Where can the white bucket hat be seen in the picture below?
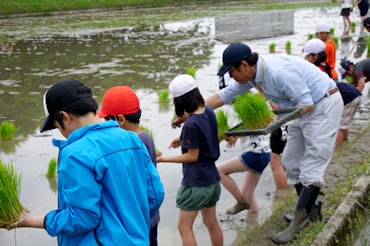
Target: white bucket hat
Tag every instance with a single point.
(181, 85)
(322, 27)
(313, 46)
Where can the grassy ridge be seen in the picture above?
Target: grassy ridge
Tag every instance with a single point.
(26, 6)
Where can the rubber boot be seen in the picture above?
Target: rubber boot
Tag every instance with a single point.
(306, 201)
(238, 207)
(315, 214)
(288, 216)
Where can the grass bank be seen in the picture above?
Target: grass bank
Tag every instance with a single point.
(46, 7)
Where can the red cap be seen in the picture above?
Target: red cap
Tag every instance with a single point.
(119, 100)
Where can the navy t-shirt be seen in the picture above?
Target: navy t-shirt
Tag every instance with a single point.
(348, 92)
(200, 132)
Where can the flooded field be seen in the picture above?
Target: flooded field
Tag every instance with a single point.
(145, 57)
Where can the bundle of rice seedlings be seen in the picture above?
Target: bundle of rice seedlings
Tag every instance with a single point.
(309, 36)
(335, 39)
(288, 47)
(191, 72)
(332, 31)
(272, 48)
(163, 96)
(222, 125)
(353, 27)
(11, 209)
(150, 132)
(7, 130)
(253, 111)
(52, 168)
(368, 47)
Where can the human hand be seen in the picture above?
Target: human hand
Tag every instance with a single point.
(159, 159)
(175, 143)
(177, 122)
(231, 141)
(19, 222)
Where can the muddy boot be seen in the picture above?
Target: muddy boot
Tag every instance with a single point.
(315, 214)
(306, 201)
(239, 206)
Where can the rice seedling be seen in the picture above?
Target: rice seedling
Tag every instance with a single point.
(353, 27)
(11, 209)
(163, 96)
(7, 130)
(222, 124)
(191, 71)
(310, 36)
(253, 111)
(272, 48)
(150, 132)
(332, 31)
(52, 168)
(288, 47)
(335, 39)
(368, 47)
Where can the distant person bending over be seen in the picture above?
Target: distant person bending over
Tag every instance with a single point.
(360, 72)
(103, 199)
(121, 104)
(314, 52)
(200, 188)
(323, 33)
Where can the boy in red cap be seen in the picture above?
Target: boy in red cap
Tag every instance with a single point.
(121, 104)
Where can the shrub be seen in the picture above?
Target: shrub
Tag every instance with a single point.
(253, 111)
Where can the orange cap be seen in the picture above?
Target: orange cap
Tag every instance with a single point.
(119, 100)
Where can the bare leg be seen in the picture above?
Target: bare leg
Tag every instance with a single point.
(249, 185)
(185, 226)
(340, 138)
(278, 171)
(214, 229)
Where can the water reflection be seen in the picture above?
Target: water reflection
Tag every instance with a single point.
(361, 46)
(141, 57)
(254, 25)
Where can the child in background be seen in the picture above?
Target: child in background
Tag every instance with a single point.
(121, 104)
(200, 189)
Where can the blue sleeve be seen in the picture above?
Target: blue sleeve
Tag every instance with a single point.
(82, 195)
(229, 93)
(291, 83)
(155, 187)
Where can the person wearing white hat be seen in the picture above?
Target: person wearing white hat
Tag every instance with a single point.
(323, 33)
(200, 187)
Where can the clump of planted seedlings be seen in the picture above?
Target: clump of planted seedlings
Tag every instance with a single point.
(353, 27)
(222, 124)
(150, 132)
(52, 168)
(288, 47)
(335, 39)
(368, 47)
(272, 48)
(163, 96)
(332, 31)
(253, 111)
(11, 209)
(310, 36)
(7, 130)
(191, 72)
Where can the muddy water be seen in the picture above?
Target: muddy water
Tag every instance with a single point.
(145, 57)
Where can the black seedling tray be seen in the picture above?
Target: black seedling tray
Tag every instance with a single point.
(284, 115)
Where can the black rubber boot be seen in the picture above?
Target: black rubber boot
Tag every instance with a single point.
(298, 187)
(306, 201)
(315, 214)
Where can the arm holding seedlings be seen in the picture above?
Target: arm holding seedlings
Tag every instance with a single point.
(29, 221)
(214, 101)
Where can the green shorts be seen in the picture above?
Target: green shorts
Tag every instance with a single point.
(196, 198)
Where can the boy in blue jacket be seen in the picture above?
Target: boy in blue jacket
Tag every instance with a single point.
(108, 187)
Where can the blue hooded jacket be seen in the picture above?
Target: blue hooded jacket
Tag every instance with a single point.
(108, 188)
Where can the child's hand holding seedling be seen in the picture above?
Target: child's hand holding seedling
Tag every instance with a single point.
(175, 143)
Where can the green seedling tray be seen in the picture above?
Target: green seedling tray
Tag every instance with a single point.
(284, 115)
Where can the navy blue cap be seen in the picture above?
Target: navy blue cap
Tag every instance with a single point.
(367, 22)
(59, 95)
(233, 54)
(345, 67)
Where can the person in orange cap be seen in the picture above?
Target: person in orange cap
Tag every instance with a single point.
(121, 104)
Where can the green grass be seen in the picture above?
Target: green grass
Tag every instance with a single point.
(52, 168)
(191, 72)
(272, 48)
(10, 184)
(253, 111)
(288, 47)
(222, 124)
(7, 130)
(163, 96)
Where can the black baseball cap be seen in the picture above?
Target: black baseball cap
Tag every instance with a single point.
(60, 95)
(233, 54)
(367, 22)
